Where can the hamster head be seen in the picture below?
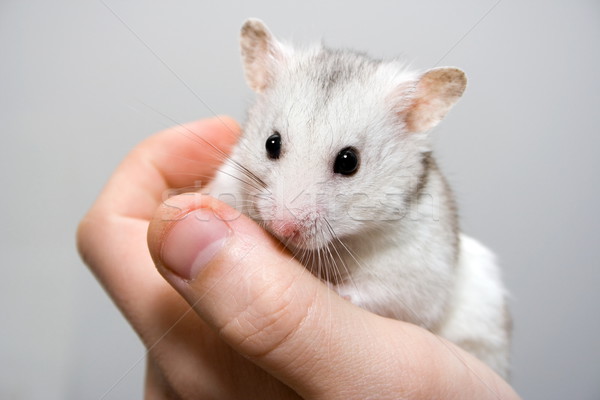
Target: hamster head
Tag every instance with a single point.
(335, 141)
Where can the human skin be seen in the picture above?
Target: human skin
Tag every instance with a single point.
(243, 319)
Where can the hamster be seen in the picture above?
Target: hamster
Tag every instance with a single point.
(335, 160)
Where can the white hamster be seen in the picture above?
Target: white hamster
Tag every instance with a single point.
(335, 160)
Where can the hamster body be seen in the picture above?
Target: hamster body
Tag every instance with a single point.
(335, 160)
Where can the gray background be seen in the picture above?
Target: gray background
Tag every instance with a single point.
(78, 90)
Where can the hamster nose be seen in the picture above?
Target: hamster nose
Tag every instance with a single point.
(286, 228)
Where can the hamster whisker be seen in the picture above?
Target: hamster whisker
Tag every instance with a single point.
(251, 182)
(239, 167)
(346, 272)
(220, 153)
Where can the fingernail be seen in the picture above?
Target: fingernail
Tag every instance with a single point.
(193, 242)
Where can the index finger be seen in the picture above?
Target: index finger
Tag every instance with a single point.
(182, 156)
(112, 236)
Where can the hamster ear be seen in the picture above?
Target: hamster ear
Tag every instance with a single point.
(261, 53)
(436, 91)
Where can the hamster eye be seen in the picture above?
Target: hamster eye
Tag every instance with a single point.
(346, 162)
(273, 146)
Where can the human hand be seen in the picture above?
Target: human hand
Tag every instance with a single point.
(260, 326)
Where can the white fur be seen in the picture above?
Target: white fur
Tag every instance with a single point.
(385, 248)
(477, 318)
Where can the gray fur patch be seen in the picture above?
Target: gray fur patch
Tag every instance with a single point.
(333, 69)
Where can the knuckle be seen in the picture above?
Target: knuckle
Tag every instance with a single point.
(268, 321)
(87, 238)
(83, 239)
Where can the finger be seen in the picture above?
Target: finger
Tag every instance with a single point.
(183, 156)
(262, 302)
(112, 236)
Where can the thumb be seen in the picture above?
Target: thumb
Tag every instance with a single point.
(251, 291)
